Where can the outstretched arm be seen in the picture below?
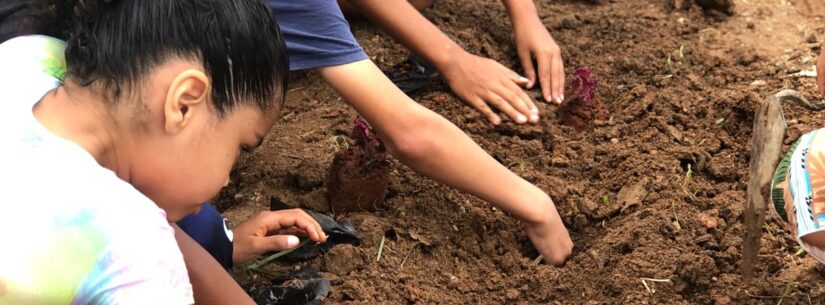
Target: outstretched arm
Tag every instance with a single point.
(431, 145)
(481, 82)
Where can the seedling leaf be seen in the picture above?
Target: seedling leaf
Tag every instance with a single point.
(688, 174)
(363, 134)
(275, 256)
(582, 86)
(785, 293)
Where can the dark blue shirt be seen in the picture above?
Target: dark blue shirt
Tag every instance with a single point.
(316, 33)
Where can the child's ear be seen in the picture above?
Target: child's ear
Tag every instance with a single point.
(187, 97)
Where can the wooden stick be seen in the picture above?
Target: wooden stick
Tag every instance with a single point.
(768, 132)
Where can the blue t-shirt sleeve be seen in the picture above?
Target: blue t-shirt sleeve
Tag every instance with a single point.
(316, 33)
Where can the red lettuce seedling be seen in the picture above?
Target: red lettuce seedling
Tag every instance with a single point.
(364, 136)
(581, 109)
(368, 147)
(582, 86)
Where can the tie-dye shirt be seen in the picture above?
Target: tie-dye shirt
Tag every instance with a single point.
(801, 188)
(72, 232)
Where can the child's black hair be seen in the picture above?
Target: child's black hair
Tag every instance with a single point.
(117, 42)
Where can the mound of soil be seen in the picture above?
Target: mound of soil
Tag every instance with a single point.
(356, 186)
(578, 115)
(357, 180)
(645, 231)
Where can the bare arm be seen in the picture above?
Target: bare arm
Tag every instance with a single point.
(431, 145)
(210, 282)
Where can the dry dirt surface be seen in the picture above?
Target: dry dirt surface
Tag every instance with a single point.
(653, 196)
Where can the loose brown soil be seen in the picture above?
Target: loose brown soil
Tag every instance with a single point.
(620, 186)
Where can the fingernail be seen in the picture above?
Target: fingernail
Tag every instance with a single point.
(560, 99)
(292, 241)
(535, 111)
(524, 80)
(521, 118)
(534, 117)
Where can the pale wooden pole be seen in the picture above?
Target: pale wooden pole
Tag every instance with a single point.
(768, 132)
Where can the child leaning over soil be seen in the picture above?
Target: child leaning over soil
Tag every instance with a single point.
(798, 184)
(158, 99)
(318, 37)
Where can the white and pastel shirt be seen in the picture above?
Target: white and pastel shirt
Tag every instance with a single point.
(71, 231)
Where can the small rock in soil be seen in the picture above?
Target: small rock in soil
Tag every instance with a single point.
(419, 238)
(588, 207)
(452, 281)
(675, 133)
(703, 239)
(709, 222)
(758, 83)
(512, 294)
(632, 194)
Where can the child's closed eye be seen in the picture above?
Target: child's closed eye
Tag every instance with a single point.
(249, 148)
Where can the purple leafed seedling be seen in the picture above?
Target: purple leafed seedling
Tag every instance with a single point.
(581, 109)
(582, 86)
(368, 146)
(363, 134)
